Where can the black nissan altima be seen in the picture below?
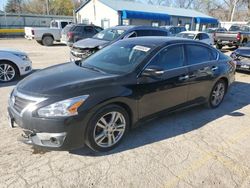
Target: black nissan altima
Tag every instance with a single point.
(98, 100)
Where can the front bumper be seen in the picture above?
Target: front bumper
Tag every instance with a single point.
(25, 67)
(54, 134)
(243, 66)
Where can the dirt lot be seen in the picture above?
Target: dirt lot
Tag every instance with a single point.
(193, 148)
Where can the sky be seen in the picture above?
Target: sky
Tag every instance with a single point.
(2, 4)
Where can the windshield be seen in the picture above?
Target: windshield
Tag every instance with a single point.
(118, 58)
(186, 35)
(109, 34)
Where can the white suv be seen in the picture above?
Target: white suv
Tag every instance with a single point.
(13, 63)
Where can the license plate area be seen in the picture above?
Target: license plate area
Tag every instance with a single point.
(245, 66)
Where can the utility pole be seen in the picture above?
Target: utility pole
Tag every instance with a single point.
(47, 7)
(234, 7)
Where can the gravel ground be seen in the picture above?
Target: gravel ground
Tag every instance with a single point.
(199, 147)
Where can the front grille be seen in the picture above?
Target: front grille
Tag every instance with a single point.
(21, 103)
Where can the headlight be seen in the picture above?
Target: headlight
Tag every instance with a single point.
(23, 57)
(65, 108)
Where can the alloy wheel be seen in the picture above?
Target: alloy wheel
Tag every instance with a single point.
(109, 129)
(7, 72)
(218, 94)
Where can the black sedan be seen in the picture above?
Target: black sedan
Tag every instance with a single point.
(98, 100)
(242, 57)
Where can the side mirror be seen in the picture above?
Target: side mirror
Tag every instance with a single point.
(153, 72)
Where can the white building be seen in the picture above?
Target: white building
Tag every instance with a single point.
(107, 13)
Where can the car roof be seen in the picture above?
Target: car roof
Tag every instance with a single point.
(193, 32)
(133, 27)
(159, 40)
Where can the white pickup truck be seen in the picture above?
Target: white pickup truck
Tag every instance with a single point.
(47, 35)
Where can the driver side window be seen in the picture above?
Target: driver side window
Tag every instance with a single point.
(169, 58)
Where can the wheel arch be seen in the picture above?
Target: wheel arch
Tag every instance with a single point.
(12, 63)
(49, 35)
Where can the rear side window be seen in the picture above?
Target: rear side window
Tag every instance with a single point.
(204, 36)
(169, 58)
(78, 29)
(141, 33)
(89, 30)
(98, 29)
(197, 54)
(63, 24)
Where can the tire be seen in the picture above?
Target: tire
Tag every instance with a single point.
(217, 94)
(8, 72)
(47, 40)
(98, 136)
(219, 46)
(39, 42)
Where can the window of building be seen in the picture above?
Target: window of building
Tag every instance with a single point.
(125, 22)
(155, 24)
(85, 21)
(105, 23)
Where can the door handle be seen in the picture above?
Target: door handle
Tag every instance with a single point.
(182, 78)
(214, 68)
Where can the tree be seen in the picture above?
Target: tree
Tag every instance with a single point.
(13, 6)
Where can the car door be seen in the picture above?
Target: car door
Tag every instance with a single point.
(202, 69)
(168, 89)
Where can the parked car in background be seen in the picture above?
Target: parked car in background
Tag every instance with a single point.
(81, 31)
(197, 35)
(212, 31)
(173, 30)
(64, 32)
(86, 47)
(242, 57)
(47, 35)
(13, 63)
(237, 35)
(98, 100)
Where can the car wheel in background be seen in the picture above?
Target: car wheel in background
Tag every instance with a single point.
(219, 46)
(39, 42)
(107, 128)
(217, 94)
(8, 71)
(47, 41)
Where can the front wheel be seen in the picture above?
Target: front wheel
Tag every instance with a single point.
(217, 94)
(107, 128)
(8, 72)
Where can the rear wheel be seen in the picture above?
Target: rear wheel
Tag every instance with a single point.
(219, 46)
(217, 94)
(8, 71)
(47, 40)
(107, 128)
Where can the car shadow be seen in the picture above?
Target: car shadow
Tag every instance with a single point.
(15, 82)
(179, 123)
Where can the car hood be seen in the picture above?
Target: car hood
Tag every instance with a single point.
(13, 51)
(90, 43)
(243, 51)
(61, 80)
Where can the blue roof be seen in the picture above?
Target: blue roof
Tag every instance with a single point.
(144, 15)
(139, 10)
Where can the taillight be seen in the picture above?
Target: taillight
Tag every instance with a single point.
(70, 35)
(238, 37)
(32, 32)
